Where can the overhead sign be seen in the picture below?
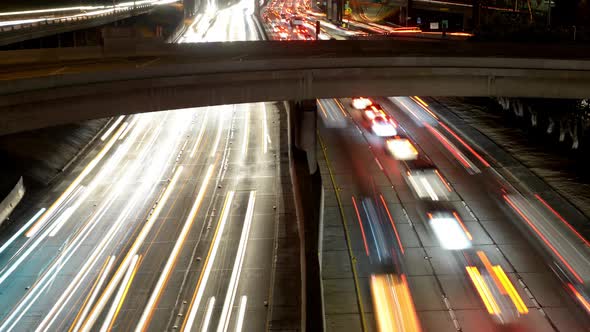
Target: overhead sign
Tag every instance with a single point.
(433, 25)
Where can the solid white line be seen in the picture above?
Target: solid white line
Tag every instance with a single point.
(232, 288)
(208, 314)
(87, 326)
(241, 312)
(201, 131)
(95, 292)
(119, 296)
(20, 231)
(174, 253)
(195, 307)
(246, 133)
(61, 220)
(265, 137)
(111, 128)
(218, 137)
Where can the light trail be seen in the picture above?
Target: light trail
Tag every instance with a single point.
(204, 277)
(237, 269)
(87, 326)
(22, 230)
(241, 313)
(246, 134)
(145, 319)
(91, 165)
(93, 294)
(200, 136)
(208, 314)
(112, 128)
(121, 294)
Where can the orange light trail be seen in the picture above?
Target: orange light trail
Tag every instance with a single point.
(528, 221)
(512, 293)
(361, 224)
(483, 290)
(580, 298)
(463, 226)
(443, 180)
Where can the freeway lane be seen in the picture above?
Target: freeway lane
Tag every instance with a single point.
(442, 291)
(170, 222)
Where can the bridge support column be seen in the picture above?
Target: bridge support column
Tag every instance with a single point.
(304, 116)
(307, 189)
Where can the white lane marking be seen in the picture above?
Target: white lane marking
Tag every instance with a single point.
(111, 128)
(241, 313)
(246, 133)
(200, 137)
(237, 269)
(208, 314)
(265, 136)
(22, 230)
(61, 220)
(195, 306)
(143, 321)
(218, 137)
(110, 315)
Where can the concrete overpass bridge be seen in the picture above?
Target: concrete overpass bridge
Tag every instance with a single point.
(40, 88)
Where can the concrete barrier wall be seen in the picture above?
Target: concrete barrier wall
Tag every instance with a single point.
(11, 200)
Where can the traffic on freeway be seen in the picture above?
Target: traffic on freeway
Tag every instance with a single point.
(436, 230)
(167, 224)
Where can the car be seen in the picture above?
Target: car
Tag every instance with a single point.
(383, 126)
(428, 184)
(360, 103)
(371, 112)
(449, 230)
(296, 21)
(401, 148)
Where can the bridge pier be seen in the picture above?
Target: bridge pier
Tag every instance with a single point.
(307, 189)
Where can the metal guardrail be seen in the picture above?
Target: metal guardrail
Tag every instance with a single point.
(49, 21)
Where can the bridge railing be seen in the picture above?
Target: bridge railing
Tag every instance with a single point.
(39, 25)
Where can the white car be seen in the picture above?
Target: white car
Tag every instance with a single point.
(449, 230)
(383, 126)
(360, 103)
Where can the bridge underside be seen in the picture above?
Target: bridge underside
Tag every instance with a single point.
(155, 84)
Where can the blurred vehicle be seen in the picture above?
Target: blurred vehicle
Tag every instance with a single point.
(401, 148)
(449, 230)
(360, 103)
(393, 304)
(296, 21)
(428, 184)
(496, 290)
(383, 126)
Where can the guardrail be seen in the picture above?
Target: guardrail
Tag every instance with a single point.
(74, 19)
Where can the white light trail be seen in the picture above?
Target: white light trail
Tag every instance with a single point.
(209, 265)
(22, 230)
(200, 137)
(208, 313)
(241, 313)
(246, 134)
(117, 302)
(237, 269)
(111, 128)
(87, 326)
(101, 279)
(164, 275)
